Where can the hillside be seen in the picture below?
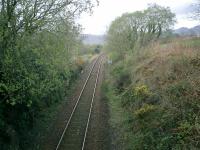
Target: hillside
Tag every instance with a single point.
(154, 97)
(152, 84)
(90, 39)
(195, 31)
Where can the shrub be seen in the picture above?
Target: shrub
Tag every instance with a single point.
(141, 91)
(161, 102)
(122, 77)
(145, 109)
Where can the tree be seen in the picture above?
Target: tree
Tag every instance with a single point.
(196, 10)
(18, 17)
(159, 19)
(139, 28)
(38, 46)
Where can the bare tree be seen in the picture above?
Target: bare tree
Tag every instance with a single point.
(196, 10)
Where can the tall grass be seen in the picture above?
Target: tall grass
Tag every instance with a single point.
(158, 89)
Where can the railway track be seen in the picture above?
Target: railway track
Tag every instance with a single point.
(74, 135)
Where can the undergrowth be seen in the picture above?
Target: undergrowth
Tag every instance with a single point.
(154, 96)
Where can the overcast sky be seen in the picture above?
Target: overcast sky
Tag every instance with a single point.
(108, 10)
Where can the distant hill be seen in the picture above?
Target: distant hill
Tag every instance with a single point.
(93, 39)
(195, 31)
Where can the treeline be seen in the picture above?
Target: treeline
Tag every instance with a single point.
(39, 43)
(152, 86)
(137, 29)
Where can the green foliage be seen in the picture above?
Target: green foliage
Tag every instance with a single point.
(155, 88)
(35, 76)
(138, 28)
(38, 50)
(141, 91)
(145, 109)
(98, 49)
(90, 49)
(122, 76)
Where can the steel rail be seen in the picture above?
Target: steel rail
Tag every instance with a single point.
(91, 106)
(75, 106)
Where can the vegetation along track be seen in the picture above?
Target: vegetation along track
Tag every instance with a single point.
(74, 134)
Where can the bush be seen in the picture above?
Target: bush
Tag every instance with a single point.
(160, 102)
(145, 109)
(121, 73)
(35, 75)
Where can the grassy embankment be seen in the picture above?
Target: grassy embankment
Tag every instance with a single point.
(154, 97)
